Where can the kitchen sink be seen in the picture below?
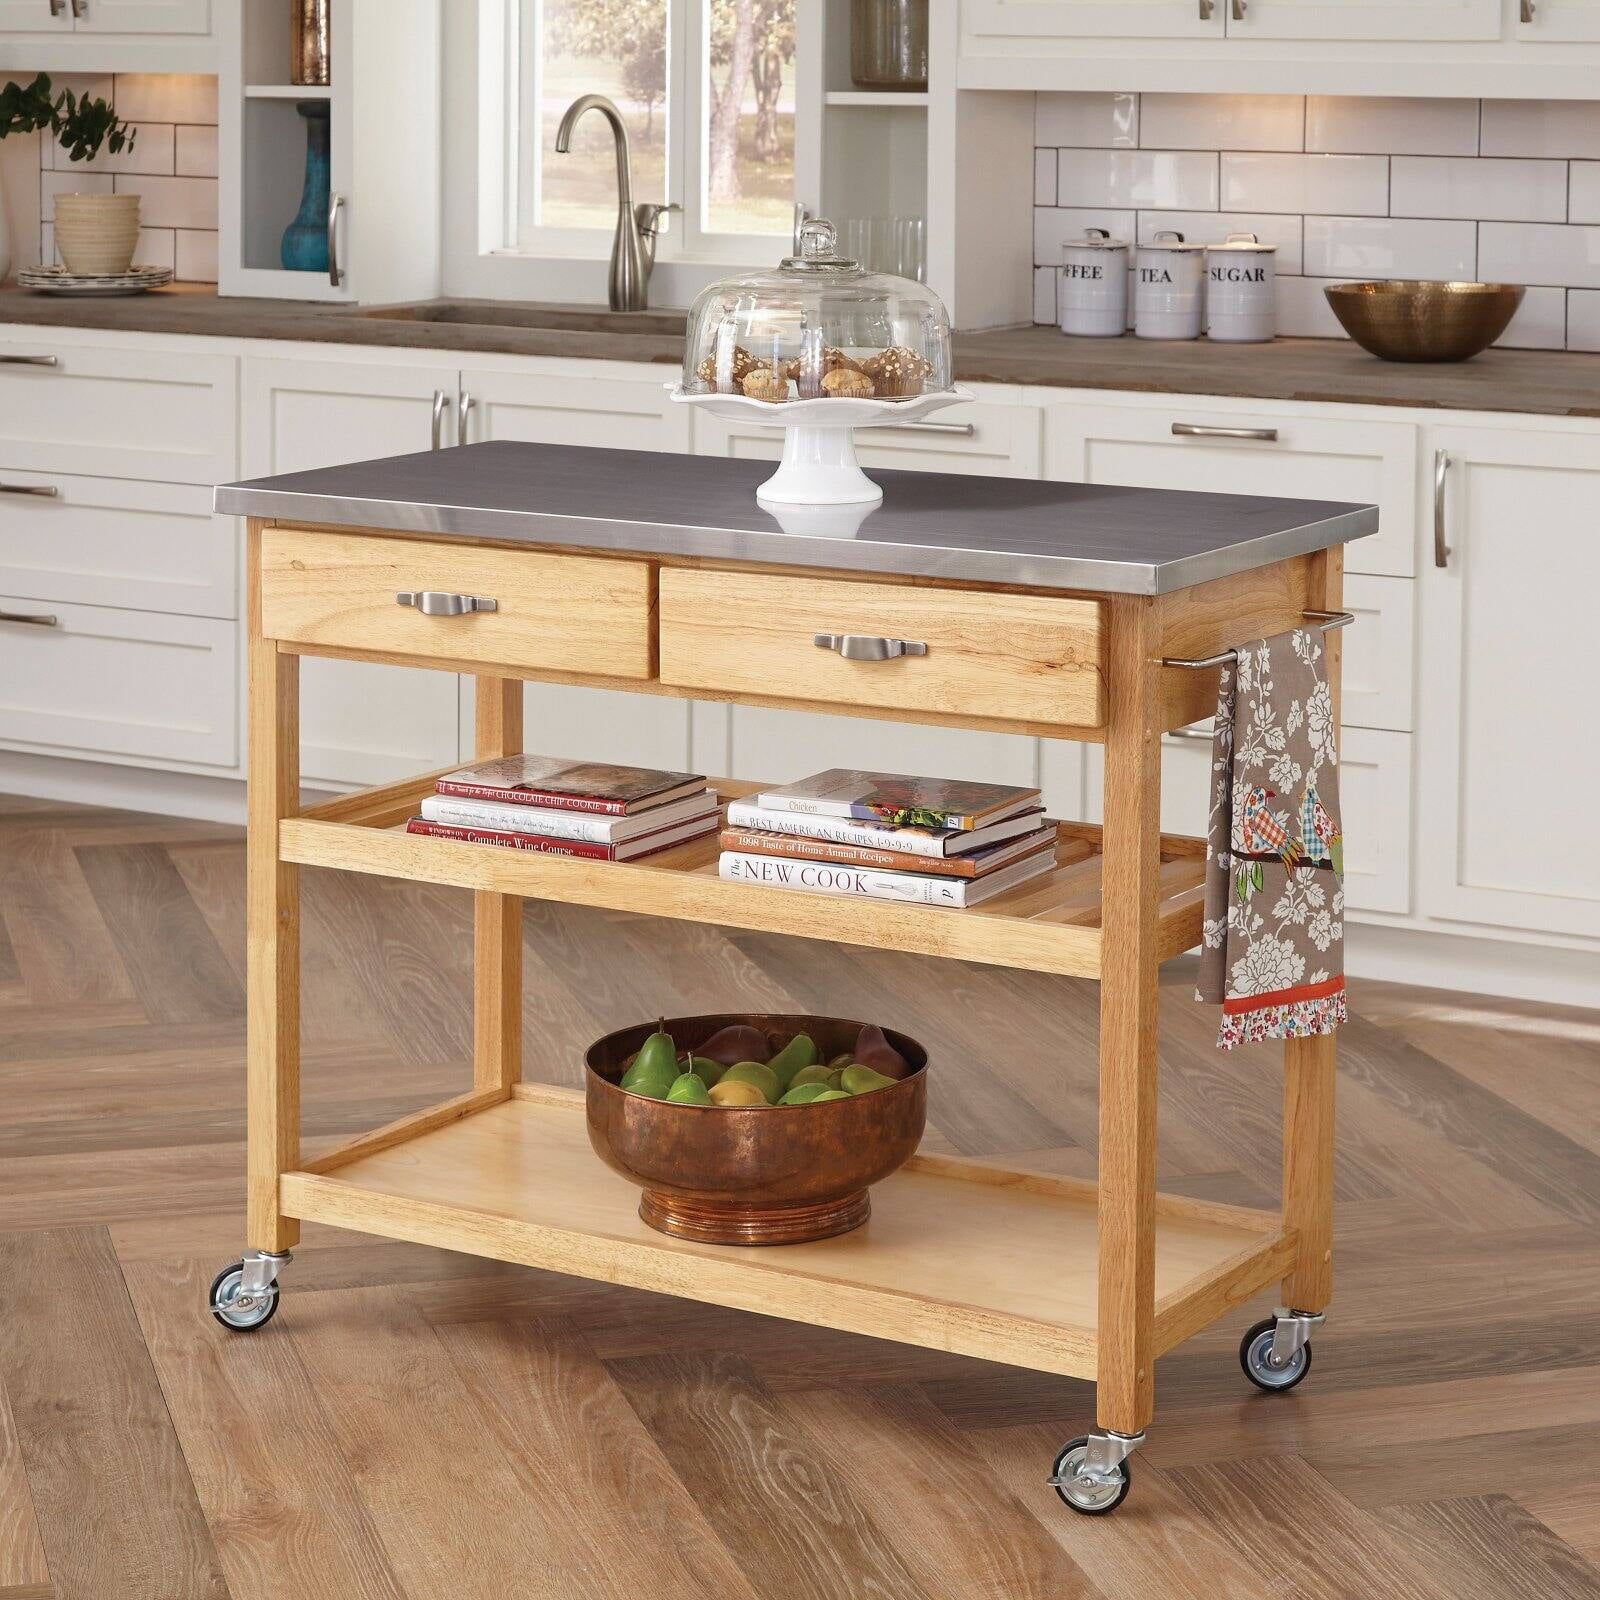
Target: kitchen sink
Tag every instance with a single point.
(536, 317)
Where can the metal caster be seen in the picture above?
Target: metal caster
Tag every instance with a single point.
(1092, 1474)
(244, 1296)
(1276, 1353)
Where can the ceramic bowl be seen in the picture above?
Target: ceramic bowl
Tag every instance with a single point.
(754, 1174)
(97, 233)
(1418, 320)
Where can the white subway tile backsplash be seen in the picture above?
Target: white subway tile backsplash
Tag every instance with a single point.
(1334, 185)
(1480, 188)
(1303, 309)
(1044, 294)
(1539, 252)
(1389, 247)
(1540, 322)
(1222, 121)
(1044, 177)
(1583, 319)
(1583, 200)
(1553, 128)
(196, 256)
(1177, 180)
(166, 97)
(1213, 227)
(157, 248)
(172, 202)
(1369, 125)
(196, 152)
(1053, 227)
(1094, 120)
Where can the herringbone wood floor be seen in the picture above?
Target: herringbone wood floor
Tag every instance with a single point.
(422, 1425)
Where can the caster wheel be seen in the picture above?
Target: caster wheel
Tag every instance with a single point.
(1088, 1499)
(224, 1297)
(1255, 1356)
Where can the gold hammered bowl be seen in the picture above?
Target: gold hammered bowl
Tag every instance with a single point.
(1418, 320)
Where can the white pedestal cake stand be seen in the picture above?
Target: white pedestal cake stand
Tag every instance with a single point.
(819, 466)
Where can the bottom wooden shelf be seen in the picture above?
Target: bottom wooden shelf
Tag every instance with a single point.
(958, 1255)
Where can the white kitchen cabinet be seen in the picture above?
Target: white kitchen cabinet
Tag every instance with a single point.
(1509, 764)
(1412, 20)
(34, 16)
(141, 16)
(1559, 22)
(360, 723)
(105, 36)
(1378, 648)
(128, 686)
(1008, 20)
(117, 542)
(1191, 445)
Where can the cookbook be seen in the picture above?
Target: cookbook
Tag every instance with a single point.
(899, 800)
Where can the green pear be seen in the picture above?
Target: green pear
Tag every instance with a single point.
(650, 1088)
(815, 1073)
(863, 1080)
(688, 1089)
(830, 1094)
(657, 1055)
(801, 1051)
(802, 1094)
(840, 1061)
(709, 1072)
(757, 1073)
(654, 1073)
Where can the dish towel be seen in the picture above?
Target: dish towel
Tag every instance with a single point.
(1273, 953)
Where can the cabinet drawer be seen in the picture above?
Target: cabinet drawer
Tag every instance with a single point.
(1016, 658)
(1378, 646)
(123, 684)
(554, 613)
(116, 542)
(121, 413)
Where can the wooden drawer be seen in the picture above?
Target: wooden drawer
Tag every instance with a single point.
(554, 613)
(120, 412)
(120, 685)
(1016, 658)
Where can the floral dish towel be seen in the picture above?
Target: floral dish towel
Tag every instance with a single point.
(1274, 915)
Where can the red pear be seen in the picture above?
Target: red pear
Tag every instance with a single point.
(873, 1050)
(737, 1042)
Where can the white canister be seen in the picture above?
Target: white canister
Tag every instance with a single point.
(1242, 290)
(1169, 278)
(1094, 286)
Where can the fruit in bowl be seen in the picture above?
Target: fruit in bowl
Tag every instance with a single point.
(785, 1142)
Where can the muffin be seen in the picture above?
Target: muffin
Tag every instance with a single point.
(847, 383)
(743, 365)
(763, 383)
(897, 372)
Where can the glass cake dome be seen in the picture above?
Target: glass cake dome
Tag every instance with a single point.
(818, 326)
(819, 347)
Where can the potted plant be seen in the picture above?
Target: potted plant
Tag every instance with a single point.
(95, 233)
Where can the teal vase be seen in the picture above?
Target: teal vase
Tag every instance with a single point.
(305, 240)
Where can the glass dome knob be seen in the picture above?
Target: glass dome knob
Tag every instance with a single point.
(818, 239)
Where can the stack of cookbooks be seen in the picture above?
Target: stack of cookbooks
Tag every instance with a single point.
(569, 808)
(933, 841)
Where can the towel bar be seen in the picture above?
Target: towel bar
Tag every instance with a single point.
(1326, 622)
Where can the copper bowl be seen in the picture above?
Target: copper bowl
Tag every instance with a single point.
(754, 1174)
(1418, 320)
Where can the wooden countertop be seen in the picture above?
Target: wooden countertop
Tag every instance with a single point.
(1544, 382)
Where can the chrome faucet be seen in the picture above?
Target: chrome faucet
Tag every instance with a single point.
(633, 251)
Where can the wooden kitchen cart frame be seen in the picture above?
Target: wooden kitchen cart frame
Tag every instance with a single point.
(1093, 1280)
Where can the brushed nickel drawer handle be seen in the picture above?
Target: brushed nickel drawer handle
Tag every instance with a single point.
(335, 271)
(1204, 430)
(1441, 547)
(1194, 735)
(437, 603)
(29, 361)
(39, 619)
(1527, 10)
(46, 491)
(863, 647)
(964, 430)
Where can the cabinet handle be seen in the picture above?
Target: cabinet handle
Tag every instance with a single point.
(463, 413)
(1197, 735)
(862, 647)
(436, 603)
(964, 429)
(40, 619)
(45, 491)
(335, 271)
(1528, 9)
(1208, 9)
(1239, 9)
(1441, 466)
(440, 401)
(1204, 430)
(58, 7)
(80, 8)
(30, 361)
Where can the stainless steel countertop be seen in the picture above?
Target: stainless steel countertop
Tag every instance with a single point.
(987, 530)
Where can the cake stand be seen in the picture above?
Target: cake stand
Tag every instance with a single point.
(819, 466)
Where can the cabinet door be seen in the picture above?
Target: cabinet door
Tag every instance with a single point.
(1559, 21)
(360, 722)
(1508, 763)
(144, 16)
(1014, 20)
(1420, 20)
(619, 413)
(34, 16)
(1301, 457)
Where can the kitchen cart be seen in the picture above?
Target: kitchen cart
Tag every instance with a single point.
(1060, 610)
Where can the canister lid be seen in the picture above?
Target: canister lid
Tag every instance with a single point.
(1246, 242)
(1169, 239)
(1095, 239)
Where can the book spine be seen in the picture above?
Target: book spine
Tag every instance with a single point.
(798, 848)
(837, 830)
(909, 888)
(589, 829)
(529, 797)
(961, 821)
(515, 841)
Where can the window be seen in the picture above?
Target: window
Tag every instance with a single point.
(706, 92)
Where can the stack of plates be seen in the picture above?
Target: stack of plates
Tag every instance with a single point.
(57, 280)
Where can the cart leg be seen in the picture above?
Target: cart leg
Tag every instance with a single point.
(1125, 1387)
(497, 918)
(273, 913)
